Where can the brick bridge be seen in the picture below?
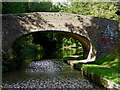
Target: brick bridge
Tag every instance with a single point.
(97, 35)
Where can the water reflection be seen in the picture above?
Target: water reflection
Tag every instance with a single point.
(48, 73)
(61, 54)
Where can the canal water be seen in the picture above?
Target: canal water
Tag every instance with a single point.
(48, 73)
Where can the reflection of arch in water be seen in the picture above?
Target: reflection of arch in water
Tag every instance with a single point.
(89, 52)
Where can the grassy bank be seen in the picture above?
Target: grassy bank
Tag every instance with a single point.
(107, 67)
(108, 73)
(110, 60)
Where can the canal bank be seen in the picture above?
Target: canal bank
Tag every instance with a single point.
(98, 79)
(99, 74)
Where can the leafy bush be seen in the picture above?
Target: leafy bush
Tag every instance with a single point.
(22, 49)
(97, 9)
(26, 7)
(25, 48)
(42, 7)
(13, 7)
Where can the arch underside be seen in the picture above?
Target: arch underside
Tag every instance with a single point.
(89, 52)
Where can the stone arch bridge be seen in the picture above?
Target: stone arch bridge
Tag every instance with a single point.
(97, 35)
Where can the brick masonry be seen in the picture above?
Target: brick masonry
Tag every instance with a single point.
(97, 35)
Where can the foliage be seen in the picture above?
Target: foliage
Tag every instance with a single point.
(55, 40)
(108, 73)
(26, 7)
(97, 9)
(69, 41)
(107, 67)
(34, 46)
(29, 46)
(112, 59)
(7, 64)
(24, 47)
(13, 7)
(41, 7)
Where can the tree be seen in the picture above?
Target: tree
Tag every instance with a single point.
(13, 7)
(26, 7)
(40, 6)
(96, 9)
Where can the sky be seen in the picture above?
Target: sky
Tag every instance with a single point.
(61, 1)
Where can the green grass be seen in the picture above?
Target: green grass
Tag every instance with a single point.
(109, 60)
(107, 67)
(108, 73)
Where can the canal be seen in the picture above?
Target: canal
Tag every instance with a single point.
(49, 71)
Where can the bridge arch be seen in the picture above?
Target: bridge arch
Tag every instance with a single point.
(90, 31)
(89, 51)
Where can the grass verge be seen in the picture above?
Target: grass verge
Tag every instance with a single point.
(108, 73)
(109, 60)
(107, 67)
